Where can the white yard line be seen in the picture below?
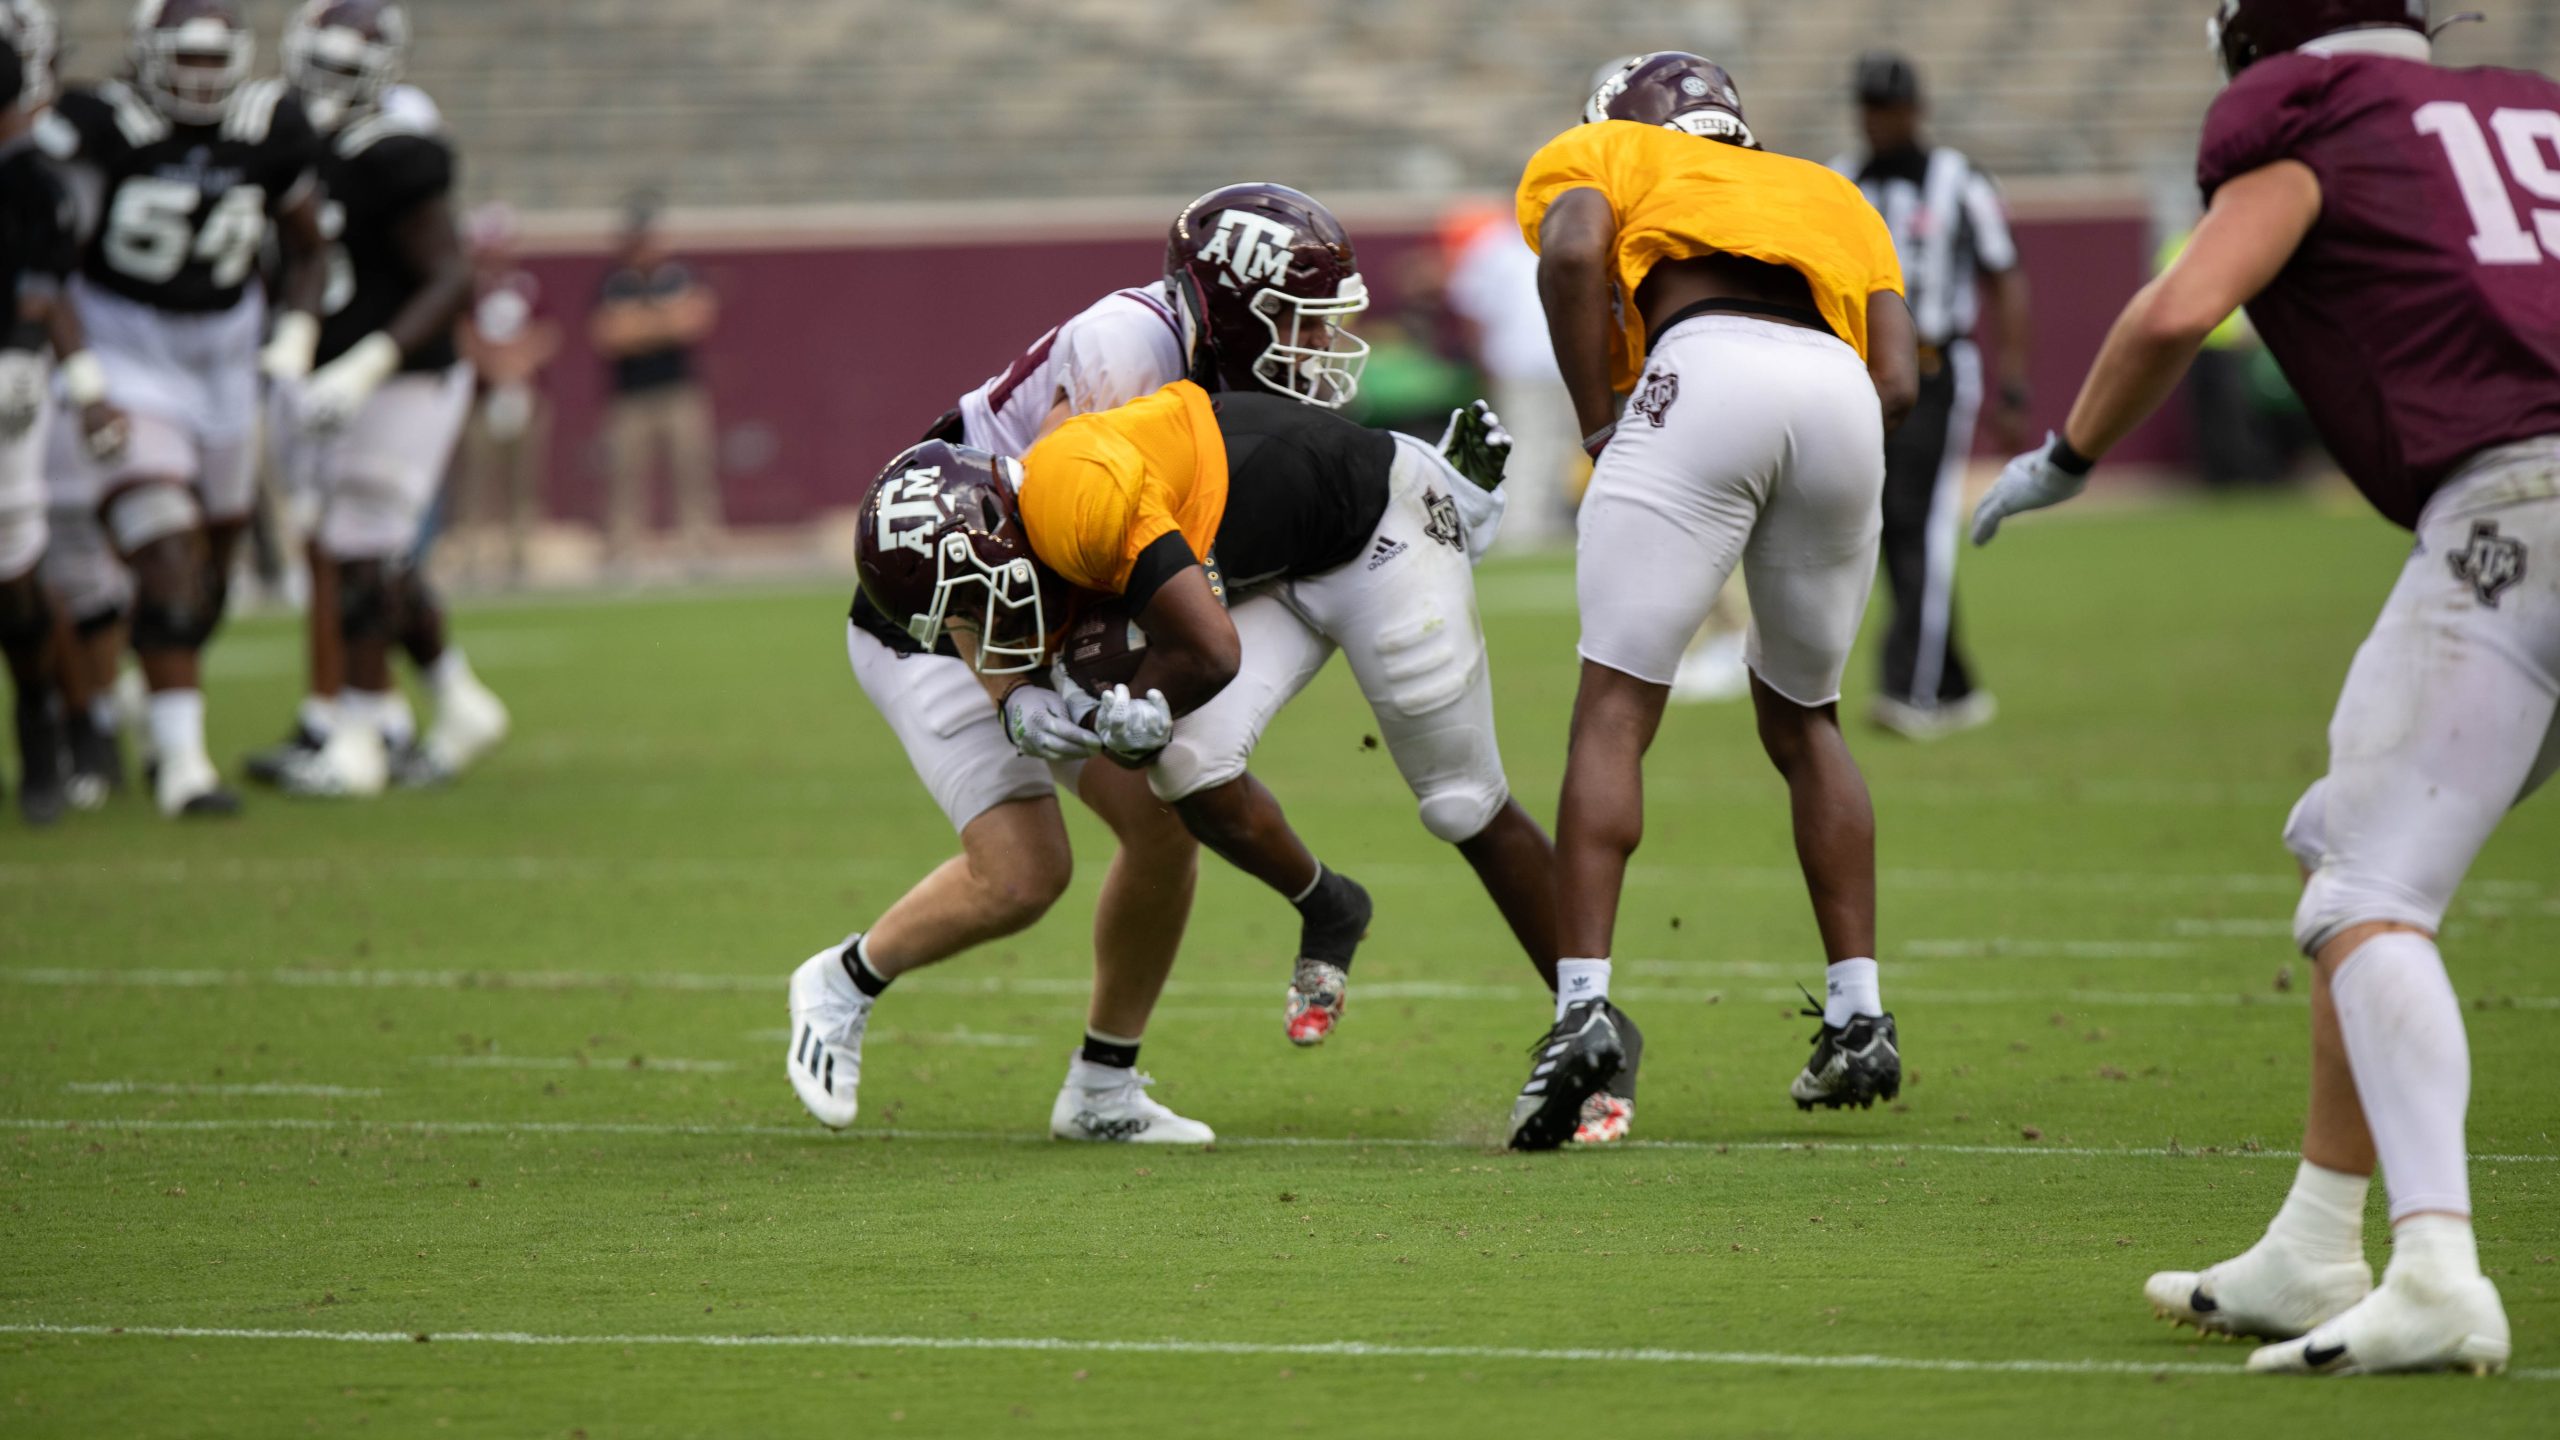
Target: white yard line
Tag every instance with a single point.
(573, 1062)
(1236, 1142)
(150, 1087)
(1253, 1349)
(957, 984)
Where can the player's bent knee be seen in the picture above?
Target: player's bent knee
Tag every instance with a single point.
(369, 521)
(1188, 767)
(2338, 897)
(1459, 813)
(22, 540)
(1020, 887)
(146, 514)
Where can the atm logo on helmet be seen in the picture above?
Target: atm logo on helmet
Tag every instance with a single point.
(914, 496)
(1254, 248)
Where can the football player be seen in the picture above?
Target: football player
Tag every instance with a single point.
(192, 163)
(1750, 305)
(1226, 324)
(1332, 535)
(2393, 227)
(38, 249)
(383, 408)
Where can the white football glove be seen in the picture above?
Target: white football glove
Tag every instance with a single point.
(1132, 727)
(25, 377)
(337, 390)
(2030, 482)
(1036, 721)
(1080, 701)
(290, 346)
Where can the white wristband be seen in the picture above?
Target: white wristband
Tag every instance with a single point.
(84, 379)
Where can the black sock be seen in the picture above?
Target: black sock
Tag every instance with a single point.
(857, 964)
(1114, 1053)
(1333, 917)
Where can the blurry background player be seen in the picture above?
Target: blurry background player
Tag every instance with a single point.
(2394, 228)
(1765, 350)
(996, 778)
(191, 162)
(1953, 237)
(39, 247)
(651, 316)
(381, 412)
(508, 344)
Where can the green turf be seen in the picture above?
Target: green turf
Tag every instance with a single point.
(487, 997)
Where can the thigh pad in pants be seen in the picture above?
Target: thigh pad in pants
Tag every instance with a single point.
(949, 729)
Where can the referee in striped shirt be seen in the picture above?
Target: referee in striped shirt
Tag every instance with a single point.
(1956, 250)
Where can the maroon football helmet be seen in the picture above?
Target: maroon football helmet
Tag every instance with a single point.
(191, 56)
(340, 56)
(1264, 277)
(1677, 91)
(2245, 32)
(941, 520)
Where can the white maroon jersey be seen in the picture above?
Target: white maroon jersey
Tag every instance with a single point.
(1125, 345)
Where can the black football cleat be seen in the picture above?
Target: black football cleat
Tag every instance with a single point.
(268, 767)
(1853, 1064)
(43, 764)
(1569, 1064)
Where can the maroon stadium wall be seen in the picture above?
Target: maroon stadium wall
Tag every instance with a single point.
(835, 350)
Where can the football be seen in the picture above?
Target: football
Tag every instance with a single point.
(1104, 646)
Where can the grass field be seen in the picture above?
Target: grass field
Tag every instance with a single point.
(462, 1111)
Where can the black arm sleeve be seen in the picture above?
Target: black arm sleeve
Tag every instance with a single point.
(1167, 556)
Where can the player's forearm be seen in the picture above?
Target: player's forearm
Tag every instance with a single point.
(433, 312)
(2145, 356)
(1576, 298)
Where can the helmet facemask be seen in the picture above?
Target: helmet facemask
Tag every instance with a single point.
(192, 69)
(1006, 620)
(1311, 357)
(339, 70)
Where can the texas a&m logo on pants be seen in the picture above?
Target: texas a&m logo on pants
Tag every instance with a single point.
(1654, 396)
(2491, 564)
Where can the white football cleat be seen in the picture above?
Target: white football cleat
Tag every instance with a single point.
(2270, 1291)
(828, 1016)
(470, 721)
(1712, 672)
(2411, 1323)
(1101, 1102)
(350, 764)
(188, 787)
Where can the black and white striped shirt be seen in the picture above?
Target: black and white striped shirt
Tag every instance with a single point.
(1948, 225)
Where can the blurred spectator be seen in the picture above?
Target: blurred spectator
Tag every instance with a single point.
(651, 316)
(2250, 429)
(508, 345)
(1493, 288)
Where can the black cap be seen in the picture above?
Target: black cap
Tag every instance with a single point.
(1885, 78)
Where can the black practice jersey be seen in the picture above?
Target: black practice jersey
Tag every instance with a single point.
(183, 209)
(376, 173)
(39, 239)
(1305, 488)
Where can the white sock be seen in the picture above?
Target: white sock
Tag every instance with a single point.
(1580, 980)
(2323, 1217)
(1086, 1075)
(2439, 1247)
(393, 717)
(1850, 991)
(451, 668)
(176, 721)
(361, 710)
(105, 716)
(2412, 1065)
(318, 714)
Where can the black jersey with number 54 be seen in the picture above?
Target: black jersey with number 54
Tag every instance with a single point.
(377, 172)
(183, 210)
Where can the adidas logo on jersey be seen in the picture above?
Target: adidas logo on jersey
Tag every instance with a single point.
(1384, 550)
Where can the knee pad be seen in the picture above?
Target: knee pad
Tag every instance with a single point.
(145, 513)
(170, 620)
(365, 519)
(1186, 766)
(1458, 811)
(2306, 830)
(22, 541)
(365, 600)
(2340, 895)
